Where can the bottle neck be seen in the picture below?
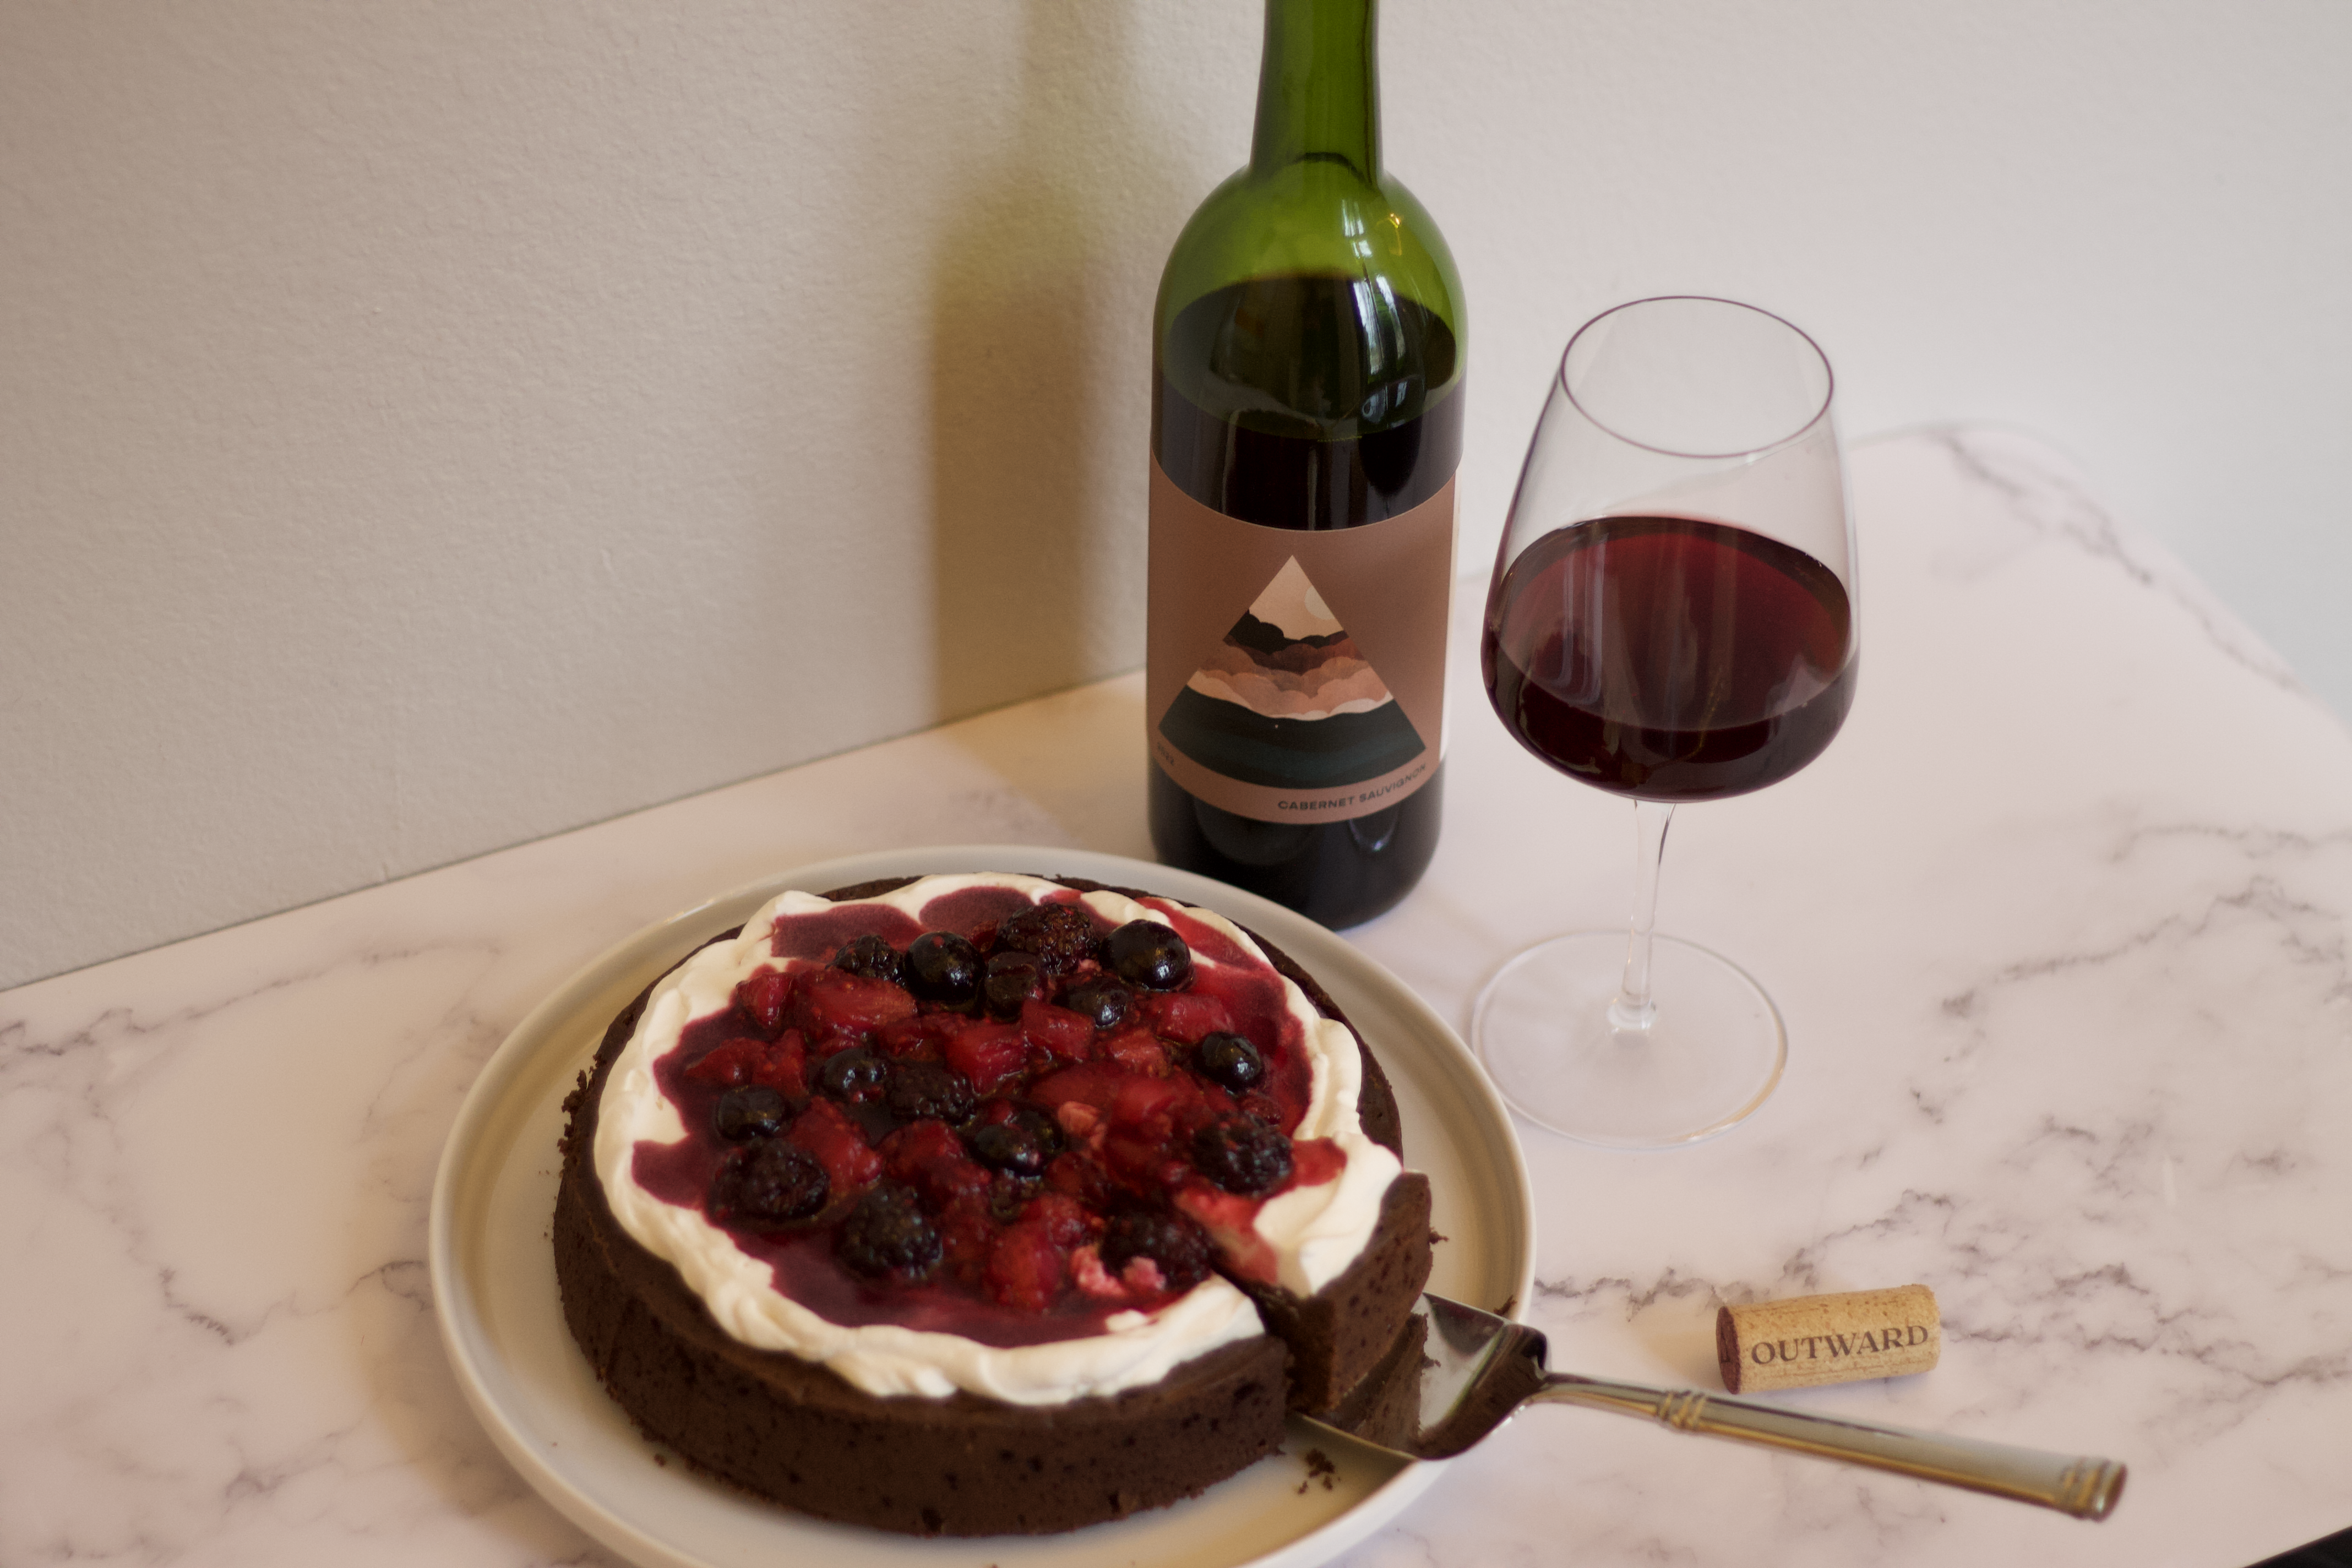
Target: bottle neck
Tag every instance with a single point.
(1319, 89)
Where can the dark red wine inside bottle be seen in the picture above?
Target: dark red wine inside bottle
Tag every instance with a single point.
(1287, 360)
(1669, 658)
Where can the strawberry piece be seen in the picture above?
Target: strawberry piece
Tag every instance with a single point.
(1144, 1161)
(761, 997)
(1138, 1052)
(922, 1037)
(776, 1063)
(833, 1002)
(1151, 1104)
(918, 1142)
(1090, 1083)
(987, 1053)
(1060, 1033)
(1079, 1177)
(729, 1066)
(1264, 1107)
(782, 1065)
(1025, 1267)
(826, 1131)
(1186, 1016)
(928, 1157)
(1095, 1102)
(967, 1237)
(1065, 1219)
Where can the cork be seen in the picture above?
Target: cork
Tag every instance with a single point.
(1807, 1341)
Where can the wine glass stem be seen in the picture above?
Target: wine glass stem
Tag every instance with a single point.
(1633, 1010)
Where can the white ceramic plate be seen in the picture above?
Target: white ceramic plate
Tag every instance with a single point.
(494, 1270)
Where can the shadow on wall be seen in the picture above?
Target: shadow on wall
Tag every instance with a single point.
(1030, 344)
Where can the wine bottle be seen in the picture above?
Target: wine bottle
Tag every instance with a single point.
(1306, 421)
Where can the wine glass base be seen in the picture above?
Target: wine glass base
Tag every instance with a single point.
(1713, 1051)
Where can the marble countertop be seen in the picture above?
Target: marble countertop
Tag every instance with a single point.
(2059, 926)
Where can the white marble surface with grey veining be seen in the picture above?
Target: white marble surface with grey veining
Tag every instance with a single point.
(2059, 926)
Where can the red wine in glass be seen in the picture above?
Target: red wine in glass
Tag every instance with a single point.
(1669, 658)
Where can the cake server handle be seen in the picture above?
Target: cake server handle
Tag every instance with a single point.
(2080, 1486)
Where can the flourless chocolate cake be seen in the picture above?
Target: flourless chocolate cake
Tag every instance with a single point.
(984, 1204)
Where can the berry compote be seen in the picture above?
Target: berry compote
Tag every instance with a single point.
(998, 1117)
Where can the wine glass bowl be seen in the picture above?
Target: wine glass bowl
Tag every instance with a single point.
(1672, 618)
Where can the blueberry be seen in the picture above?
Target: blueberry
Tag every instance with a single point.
(886, 1237)
(1026, 1129)
(1012, 979)
(1061, 936)
(1147, 954)
(852, 1076)
(918, 1090)
(752, 1111)
(943, 967)
(1177, 1245)
(1230, 1060)
(872, 957)
(771, 1183)
(1242, 1156)
(1104, 1001)
(1010, 1148)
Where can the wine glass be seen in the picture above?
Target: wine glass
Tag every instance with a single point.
(1672, 618)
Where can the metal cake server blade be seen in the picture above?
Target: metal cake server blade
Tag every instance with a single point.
(1479, 1369)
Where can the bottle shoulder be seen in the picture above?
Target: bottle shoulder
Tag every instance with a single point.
(1312, 219)
(1412, 220)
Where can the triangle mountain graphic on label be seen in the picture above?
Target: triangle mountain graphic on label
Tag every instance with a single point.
(1286, 699)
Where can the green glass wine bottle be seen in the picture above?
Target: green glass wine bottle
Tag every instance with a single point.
(1306, 421)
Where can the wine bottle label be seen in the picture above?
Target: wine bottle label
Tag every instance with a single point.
(1297, 675)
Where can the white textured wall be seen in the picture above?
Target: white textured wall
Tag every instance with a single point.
(422, 428)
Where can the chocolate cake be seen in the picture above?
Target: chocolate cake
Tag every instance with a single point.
(1055, 1271)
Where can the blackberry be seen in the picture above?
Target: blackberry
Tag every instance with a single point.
(1008, 1195)
(872, 957)
(1178, 1245)
(943, 967)
(1242, 1156)
(1061, 935)
(752, 1111)
(1147, 954)
(1230, 1060)
(771, 1183)
(886, 1237)
(1104, 1001)
(852, 1076)
(921, 1091)
(1012, 979)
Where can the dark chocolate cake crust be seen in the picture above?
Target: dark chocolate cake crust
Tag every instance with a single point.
(796, 1433)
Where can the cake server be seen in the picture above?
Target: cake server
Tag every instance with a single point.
(1479, 1369)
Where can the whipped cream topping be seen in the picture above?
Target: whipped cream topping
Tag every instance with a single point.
(1313, 1233)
